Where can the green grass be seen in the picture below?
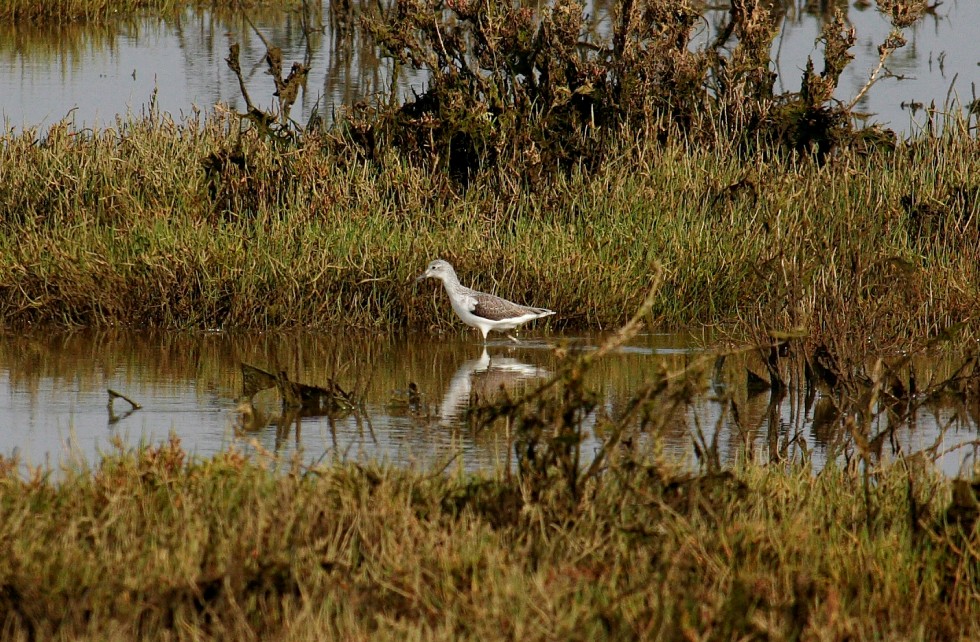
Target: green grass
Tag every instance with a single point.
(126, 226)
(157, 545)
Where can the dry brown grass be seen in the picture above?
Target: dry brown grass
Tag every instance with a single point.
(152, 544)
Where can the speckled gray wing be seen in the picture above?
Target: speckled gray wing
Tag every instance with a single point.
(494, 308)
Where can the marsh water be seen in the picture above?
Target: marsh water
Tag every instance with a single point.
(412, 396)
(91, 74)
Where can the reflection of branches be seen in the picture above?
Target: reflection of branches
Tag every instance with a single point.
(308, 28)
(894, 41)
(356, 68)
(113, 417)
(936, 452)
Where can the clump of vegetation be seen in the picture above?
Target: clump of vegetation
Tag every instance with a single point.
(511, 86)
(156, 544)
(152, 543)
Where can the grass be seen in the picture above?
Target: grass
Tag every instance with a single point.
(154, 544)
(195, 225)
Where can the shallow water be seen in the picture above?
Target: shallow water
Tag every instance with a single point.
(54, 400)
(91, 74)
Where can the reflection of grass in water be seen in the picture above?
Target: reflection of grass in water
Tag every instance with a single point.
(307, 354)
(70, 41)
(209, 360)
(62, 12)
(372, 367)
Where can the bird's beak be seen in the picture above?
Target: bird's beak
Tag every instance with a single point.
(422, 277)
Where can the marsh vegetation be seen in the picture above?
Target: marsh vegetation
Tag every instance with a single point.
(621, 542)
(156, 544)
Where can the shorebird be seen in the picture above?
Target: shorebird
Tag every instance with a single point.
(479, 309)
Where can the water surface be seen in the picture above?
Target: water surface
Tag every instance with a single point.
(90, 74)
(54, 400)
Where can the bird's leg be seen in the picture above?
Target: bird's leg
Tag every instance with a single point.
(513, 338)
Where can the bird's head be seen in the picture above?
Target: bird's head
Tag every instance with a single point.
(438, 269)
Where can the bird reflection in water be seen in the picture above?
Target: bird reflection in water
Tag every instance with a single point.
(481, 380)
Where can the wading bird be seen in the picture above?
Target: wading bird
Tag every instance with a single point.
(479, 309)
